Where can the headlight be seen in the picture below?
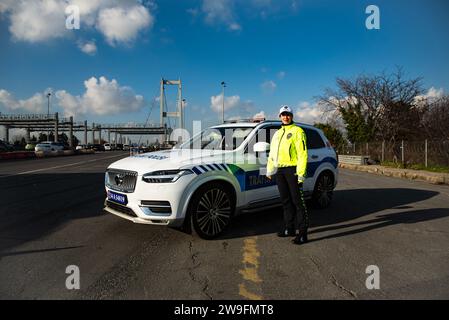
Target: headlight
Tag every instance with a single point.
(165, 176)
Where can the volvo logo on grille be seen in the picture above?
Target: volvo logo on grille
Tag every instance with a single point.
(119, 179)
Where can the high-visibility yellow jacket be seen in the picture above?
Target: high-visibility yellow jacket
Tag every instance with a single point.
(288, 148)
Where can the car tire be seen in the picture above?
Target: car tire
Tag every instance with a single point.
(210, 210)
(323, 191)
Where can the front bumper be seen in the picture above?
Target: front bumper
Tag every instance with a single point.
(147, 197)
(128, 214)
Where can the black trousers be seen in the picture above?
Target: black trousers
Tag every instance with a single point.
(292, 197)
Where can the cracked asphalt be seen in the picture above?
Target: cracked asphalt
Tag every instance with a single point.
(51, 217)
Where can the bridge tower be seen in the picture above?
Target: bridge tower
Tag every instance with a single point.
(179, 113)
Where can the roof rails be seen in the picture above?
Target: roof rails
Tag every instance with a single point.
(254, 120)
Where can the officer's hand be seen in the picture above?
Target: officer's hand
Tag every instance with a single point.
(300, 180)
(269, 177)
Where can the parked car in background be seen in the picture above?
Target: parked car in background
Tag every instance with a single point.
(107, 147)
(119, 146)
(98, 147)
(30, 146)
(6, 147)
(81, 147)
(126, 147)
(49, 146)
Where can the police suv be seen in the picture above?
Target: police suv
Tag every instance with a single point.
(212, 177)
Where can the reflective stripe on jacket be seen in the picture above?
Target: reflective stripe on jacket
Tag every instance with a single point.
(288, 148)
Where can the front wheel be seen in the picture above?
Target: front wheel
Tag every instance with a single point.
(323, 191)
(211, 210)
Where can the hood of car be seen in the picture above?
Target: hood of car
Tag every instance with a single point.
(170, 160)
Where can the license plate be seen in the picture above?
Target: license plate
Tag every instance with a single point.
(117, 198)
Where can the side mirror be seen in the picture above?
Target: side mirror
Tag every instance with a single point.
(261, 147)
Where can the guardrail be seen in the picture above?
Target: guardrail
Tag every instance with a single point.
(360, 160)
(27, 117)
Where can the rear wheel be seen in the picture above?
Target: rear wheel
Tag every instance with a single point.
(211, 210)
(323, 191)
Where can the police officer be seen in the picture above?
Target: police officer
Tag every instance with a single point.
(287, 161)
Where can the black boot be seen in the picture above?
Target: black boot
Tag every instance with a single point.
(286, 233)
(301, 238)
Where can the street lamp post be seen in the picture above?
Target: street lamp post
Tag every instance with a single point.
(48, 114)
(223, 84)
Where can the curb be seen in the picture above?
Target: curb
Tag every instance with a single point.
(17, 155)
(430, 177)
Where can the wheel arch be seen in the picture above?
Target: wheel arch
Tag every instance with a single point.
(196, 186)
(326, 169)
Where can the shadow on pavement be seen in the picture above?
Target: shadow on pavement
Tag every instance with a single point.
(347, 206)
(35, 205)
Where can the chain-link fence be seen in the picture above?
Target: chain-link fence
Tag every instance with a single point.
(426, 152)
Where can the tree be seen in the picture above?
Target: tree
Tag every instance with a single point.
(371, 106)
(334, 135)
(435, 118)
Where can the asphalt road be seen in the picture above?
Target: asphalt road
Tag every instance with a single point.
(51, 217)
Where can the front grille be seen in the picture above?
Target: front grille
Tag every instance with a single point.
(120, 208)
(157, 206)
(121, 180)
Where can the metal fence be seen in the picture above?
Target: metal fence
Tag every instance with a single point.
(425, 152)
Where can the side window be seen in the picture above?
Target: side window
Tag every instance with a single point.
(263, 135)
(314, 140)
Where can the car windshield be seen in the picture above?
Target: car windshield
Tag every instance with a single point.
(229, 138)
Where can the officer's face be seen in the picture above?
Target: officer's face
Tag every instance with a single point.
(286, 117)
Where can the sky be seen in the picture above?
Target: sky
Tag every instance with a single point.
(269, 53)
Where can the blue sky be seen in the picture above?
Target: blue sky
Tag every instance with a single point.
(268, 52)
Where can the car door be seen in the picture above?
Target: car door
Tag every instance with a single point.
(257, 186)
(316, 149)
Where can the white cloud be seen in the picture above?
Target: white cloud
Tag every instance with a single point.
(220, 12)
(120, 21)
(431, 95)
(281, 75)
(7, 5)
(121, 25)
(102, 97)
(223, 12)
(260, 114)
(268, 86)
(235, 27)
(35, 21)
(229, 103)
(89, 47)
(36, 104)
(434, 93)
(310, 114)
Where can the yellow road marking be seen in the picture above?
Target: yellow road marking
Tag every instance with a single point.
(250, 268)
(245, 293)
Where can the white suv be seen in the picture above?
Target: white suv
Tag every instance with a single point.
(215, 175)
(49, 146)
